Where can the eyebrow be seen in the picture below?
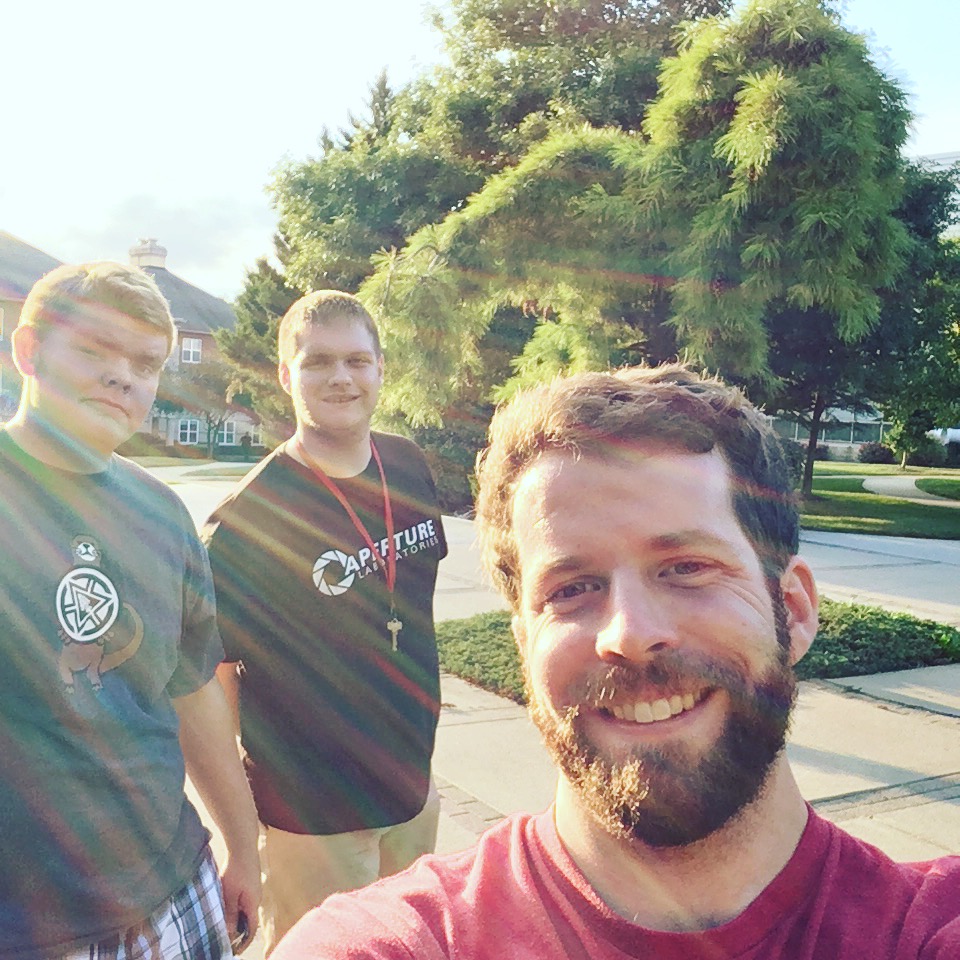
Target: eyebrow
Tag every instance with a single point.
(327, 355)
(684, 539)
(690, 538)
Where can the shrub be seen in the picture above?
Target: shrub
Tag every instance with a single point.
(930, 453)
(452, 453)
(853, 640)
(876, 453)
(795, 454)
(953, 454)
(822, 452)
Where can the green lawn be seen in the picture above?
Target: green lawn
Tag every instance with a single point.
(848, 512)
(941, 486)
(853, 640)
(838, 485)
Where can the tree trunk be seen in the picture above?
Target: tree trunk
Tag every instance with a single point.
(819, 405)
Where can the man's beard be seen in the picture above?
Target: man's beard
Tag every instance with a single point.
(668, 796)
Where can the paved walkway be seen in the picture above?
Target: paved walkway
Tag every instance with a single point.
(905, 488)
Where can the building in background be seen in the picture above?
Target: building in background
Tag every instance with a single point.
(191, 415)
(182, 420)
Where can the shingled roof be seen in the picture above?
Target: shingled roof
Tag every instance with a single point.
(21, 266)
(195, 310)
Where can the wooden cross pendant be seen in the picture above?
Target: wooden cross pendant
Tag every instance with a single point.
(394, 626)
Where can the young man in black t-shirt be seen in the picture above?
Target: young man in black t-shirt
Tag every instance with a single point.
(107, 692)
(325, 563)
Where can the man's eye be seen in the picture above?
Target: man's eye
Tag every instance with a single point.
(686, 568)
(570, 591)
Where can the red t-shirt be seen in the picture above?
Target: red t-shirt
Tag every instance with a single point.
(517, 894)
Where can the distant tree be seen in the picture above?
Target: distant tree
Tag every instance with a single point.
(923, 383)
(518, 67)
(251, 347)
(774, 174)
(766, 196)
(367, 191)
(815, 368)
(207, 391)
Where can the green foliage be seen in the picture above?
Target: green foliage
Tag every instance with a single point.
(928, 452)
(338, 210)
(452, 454)
(251, 348)
(942, 487)
(795, 455)
(876, 453)
(481, 649)
(845, 512)
(209, 391)
(908, 434)
(773, 168)
(853, 640)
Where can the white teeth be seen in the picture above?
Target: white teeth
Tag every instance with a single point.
(644, 713)
(662, 709)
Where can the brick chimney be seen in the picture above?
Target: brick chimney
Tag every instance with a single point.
(148, 253)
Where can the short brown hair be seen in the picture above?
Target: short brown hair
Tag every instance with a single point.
(588, 413)
(96, 289)
(322, 307)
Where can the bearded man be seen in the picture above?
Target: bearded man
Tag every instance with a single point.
(642, 526)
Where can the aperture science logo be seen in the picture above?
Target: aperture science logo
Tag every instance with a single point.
(335, 571)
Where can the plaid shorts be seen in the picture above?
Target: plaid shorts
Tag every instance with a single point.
(188, 926)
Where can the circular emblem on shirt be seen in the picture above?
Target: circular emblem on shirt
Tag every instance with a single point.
(87, 604)
(86, 551)
(328, 567)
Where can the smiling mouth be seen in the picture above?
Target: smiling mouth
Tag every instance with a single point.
(654, 711)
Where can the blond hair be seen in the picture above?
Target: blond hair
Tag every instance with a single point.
(321, 308)
(97, 290)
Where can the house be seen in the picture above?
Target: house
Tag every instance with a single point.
(197, 315)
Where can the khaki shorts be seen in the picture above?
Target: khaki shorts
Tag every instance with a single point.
(300, 871)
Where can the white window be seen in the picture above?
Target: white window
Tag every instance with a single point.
(256, 439)
(227, 435)
(189, 431)
(190, 348)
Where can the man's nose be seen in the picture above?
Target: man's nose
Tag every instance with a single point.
(639, 621)
(341, 373)
(118, 375)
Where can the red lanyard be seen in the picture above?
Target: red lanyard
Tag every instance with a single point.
(391, 558)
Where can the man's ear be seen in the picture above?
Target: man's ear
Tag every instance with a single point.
(283, 375)
(802, 604)
(25, 346)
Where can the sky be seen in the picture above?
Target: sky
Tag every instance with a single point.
(123, 120)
